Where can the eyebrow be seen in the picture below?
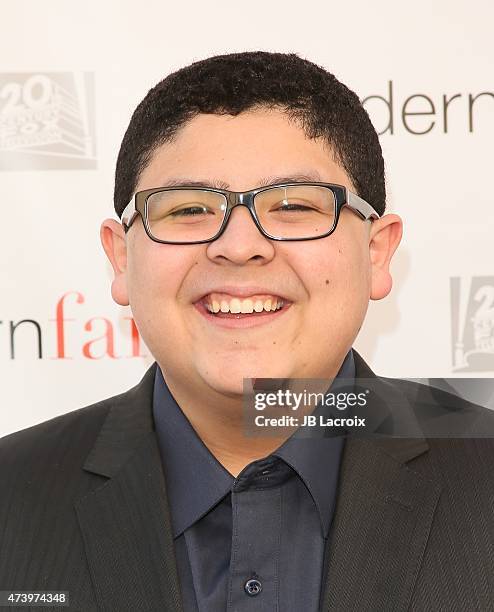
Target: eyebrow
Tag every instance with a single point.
(264, 182)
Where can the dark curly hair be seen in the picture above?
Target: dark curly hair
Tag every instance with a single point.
(233, 83)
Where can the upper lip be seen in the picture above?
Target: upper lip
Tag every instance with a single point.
(243, 292)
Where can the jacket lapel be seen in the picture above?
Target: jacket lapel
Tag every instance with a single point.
(125, 523)
(383, 517)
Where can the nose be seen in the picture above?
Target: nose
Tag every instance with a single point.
(241, 240)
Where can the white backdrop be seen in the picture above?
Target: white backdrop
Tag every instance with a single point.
(72, 73)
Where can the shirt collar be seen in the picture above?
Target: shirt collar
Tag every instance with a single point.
(196, 480)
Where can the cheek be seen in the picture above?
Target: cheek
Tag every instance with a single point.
(336, 277)
(154, 282)
(154, 276)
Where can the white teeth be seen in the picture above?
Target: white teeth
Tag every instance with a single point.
(246, 306)
(235, 306)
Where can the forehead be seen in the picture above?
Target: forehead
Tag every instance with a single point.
(240, 152)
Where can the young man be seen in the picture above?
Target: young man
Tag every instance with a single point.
(250, 189)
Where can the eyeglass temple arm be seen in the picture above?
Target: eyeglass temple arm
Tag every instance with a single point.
(360, 206)
(128, 214)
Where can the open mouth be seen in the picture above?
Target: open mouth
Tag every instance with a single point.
(238, 309)
(230, 313)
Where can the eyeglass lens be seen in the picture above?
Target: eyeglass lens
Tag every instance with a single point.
(184, 215)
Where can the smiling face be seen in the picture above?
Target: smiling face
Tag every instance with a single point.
(327, 282)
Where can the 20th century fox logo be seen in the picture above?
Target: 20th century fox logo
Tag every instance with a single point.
(472, 319)
(47, 121)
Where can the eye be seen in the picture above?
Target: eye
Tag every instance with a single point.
(189, 212)
(289, 206)
(294, 205)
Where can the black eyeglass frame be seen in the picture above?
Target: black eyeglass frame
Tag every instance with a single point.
(342, 197)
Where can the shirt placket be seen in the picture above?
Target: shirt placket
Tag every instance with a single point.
(254, 566)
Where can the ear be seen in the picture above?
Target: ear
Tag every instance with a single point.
(384, 238)
(113, 240)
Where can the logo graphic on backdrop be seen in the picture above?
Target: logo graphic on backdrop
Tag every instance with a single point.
(47, 121)
(472, 323)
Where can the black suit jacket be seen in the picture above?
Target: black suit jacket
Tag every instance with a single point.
(84, 509)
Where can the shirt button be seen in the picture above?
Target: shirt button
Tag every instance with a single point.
(252, 587)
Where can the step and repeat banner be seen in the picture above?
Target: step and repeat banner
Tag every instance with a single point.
(72, 74)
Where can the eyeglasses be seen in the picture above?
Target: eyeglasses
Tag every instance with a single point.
(288, 211)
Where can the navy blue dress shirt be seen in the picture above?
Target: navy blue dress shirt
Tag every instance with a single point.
(255, 542)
